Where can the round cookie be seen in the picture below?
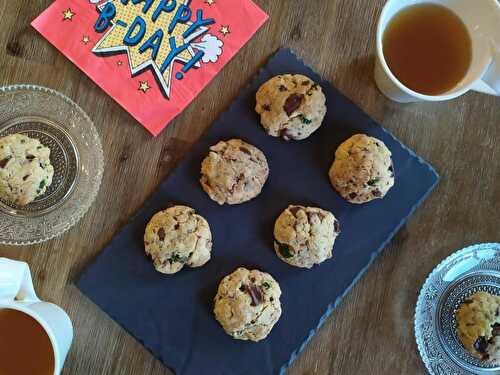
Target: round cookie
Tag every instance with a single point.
(177, 237)
(234, 172)
(362, 170)
(247, 304)
(478, 321)
(304, 236)
(25, 169)
(291, 106)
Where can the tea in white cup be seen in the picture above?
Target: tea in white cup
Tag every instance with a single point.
(428, 48)
(433, 50)
(35, 336)
(25, 347)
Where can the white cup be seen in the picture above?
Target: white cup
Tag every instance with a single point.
(17, 293)
(482, 19)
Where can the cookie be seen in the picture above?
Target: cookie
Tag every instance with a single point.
(362, 170)
(291, 106)
(25, 169)
(304, 236)
(478, 321)
(177, 237)
(234, 172)
(247, 304)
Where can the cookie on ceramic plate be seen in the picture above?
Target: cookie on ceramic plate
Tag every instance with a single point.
(304, 236)
(247, 304)
(234, 172)
(362, 170)
(291, 106)
(25, 169)
(178, 237)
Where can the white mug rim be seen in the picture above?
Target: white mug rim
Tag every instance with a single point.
(394, 79)
(39, 320)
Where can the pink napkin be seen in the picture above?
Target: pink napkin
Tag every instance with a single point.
(152, 56)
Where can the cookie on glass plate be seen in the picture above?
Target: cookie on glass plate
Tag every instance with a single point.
(478, 320)
(178, 237)
(234, 172)
(25, 169)
(362, 170)
(247, 304)
(291, 106)
(304, 236)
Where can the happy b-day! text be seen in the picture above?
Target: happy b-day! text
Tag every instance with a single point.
(137, 29)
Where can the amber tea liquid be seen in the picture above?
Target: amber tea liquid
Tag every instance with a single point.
(428, 48)
(25, 348)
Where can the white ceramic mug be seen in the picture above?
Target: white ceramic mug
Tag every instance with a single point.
(482, 19)
(17, 293)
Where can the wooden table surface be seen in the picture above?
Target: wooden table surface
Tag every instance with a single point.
(372, 331)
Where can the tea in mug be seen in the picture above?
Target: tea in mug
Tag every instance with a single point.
(25, 348)
(428, 48)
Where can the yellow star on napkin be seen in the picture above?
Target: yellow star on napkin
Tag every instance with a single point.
(210, 2)
(68, 15)
(144, 86)
(224, 30)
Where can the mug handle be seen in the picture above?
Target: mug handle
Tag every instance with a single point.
(490, 82)
(16, 284)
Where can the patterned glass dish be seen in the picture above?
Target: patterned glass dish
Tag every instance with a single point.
(473, 269)
(76, 154)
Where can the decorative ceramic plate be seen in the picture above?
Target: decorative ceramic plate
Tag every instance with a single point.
(473, 269)
(76, 155)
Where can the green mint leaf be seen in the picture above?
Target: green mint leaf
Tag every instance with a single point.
(305, 120)
(284, 250)
(176, 258)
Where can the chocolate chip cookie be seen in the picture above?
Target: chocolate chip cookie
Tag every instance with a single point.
(247, 304)
(25, 169)
(304, 236)
(177, 237)
(478, 320)
(362, 170)
(234, 172)
(291, 106)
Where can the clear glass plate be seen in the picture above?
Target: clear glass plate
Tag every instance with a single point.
(76, 154)
(475, 268)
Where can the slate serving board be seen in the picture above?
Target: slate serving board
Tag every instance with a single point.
(172, 315)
